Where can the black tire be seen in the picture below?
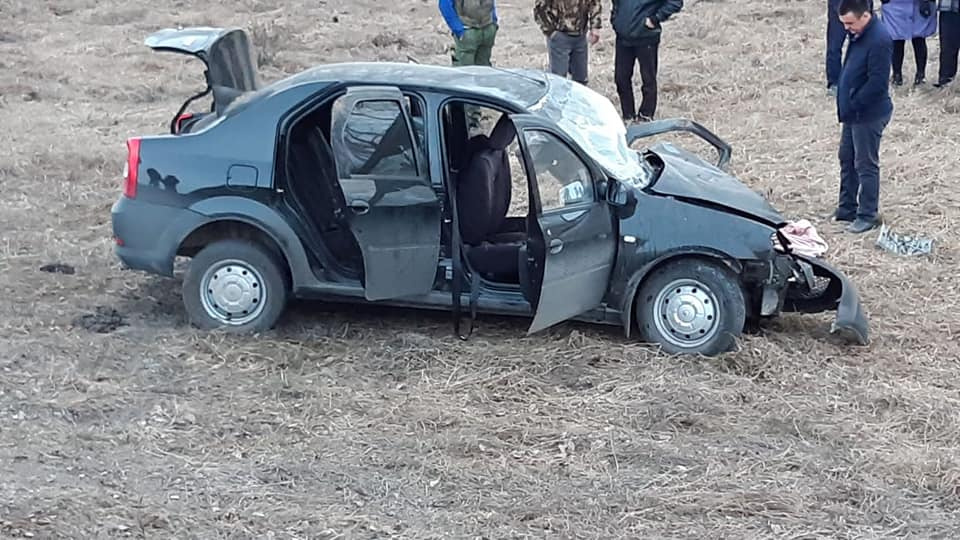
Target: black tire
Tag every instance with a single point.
(249, 275)
(711, 312)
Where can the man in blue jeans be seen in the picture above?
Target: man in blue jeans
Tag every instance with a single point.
(864, 108)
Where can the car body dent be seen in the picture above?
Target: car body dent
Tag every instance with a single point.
(694, 230)
(841, 295)
(687, 176)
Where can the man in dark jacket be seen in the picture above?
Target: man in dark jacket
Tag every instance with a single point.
(864, 108)
(836, 35)
(637, 26)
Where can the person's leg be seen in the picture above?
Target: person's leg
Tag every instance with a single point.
(920, 55)
(949, 46)
(866, 143)
(898, 46)
(579, 59)
(465, 52)
(486, 41)
(624, 58)
(649, 60)
(836, 35)
(849, 183)
(558, 52)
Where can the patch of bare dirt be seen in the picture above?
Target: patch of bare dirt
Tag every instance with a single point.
(118, 419)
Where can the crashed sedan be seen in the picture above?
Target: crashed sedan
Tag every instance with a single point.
(378, 183)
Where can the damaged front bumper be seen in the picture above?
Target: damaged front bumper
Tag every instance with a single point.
(816, 287)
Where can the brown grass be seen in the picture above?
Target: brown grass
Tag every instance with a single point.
(372, 423)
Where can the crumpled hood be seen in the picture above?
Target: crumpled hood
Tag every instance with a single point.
(688, 176)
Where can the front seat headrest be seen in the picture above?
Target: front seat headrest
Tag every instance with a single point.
(502, 134)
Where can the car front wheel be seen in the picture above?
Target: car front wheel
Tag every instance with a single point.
(236, 285)
(691, 306)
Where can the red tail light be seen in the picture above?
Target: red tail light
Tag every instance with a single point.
(180, 120)
(130, 170)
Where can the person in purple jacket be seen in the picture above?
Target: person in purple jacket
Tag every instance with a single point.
(914, 21)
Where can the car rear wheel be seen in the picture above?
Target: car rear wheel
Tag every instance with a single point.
(236, 285)
(691, 306)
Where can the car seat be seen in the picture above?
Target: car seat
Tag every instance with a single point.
(483, 199)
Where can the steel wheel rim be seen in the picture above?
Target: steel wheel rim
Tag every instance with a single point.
(685, 313)
(233, 292)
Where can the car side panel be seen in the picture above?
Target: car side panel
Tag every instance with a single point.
(184, 182)
(269, 221)
(149, 234)
(660, 228)
(178, 170)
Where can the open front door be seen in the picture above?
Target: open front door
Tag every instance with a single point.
(394, 212)
(574, 245)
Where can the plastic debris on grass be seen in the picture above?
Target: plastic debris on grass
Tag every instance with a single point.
(903, 244)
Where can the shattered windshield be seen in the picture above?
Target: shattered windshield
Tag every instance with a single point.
(592, 121)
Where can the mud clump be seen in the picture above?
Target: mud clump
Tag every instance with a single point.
(103, 321)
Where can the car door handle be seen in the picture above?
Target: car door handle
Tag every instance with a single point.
(359, 206)
(556, 245)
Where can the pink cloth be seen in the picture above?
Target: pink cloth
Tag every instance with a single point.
(803, 239)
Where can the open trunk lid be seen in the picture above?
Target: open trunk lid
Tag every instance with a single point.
(227, 56)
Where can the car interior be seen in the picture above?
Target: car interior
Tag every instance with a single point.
(491, 189)
(481, 158)
(310, 166)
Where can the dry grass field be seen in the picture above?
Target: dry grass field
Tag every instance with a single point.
(117, 419)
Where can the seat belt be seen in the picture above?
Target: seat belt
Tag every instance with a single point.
(458, 272)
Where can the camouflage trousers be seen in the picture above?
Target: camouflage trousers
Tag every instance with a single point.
(475, 46)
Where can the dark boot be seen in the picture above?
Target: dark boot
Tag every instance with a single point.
(898, 79)
(919, 79)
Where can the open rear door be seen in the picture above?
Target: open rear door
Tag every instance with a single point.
(226, 54)
(574, 246)
(394, 211)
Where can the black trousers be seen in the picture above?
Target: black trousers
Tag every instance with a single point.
(949, 44)
(919, 54)
(625, 56)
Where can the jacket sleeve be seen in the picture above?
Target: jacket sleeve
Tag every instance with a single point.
(450, 16)
(879, 60)
(541, 14)
(594, 15)
(667, 9)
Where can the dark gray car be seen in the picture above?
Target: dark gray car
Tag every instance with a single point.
(363, 182)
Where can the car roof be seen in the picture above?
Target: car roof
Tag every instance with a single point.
(520, 87)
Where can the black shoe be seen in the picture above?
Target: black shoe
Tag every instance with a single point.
(837, 216)
(919, 79)
(861, 226)
(897, 79)
(942, 82)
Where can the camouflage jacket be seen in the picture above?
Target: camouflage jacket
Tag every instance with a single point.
(567, 15)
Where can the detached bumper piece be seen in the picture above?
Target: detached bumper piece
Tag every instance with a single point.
(822, 287)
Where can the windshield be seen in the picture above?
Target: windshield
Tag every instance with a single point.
(592, 121)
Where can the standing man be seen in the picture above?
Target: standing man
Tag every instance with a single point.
(566, 24)
(474, 26)
(949, 41)
(637, 26)
(836, 35)
(864, 108)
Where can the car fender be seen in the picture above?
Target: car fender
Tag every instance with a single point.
(633, 284)
(264, 218)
